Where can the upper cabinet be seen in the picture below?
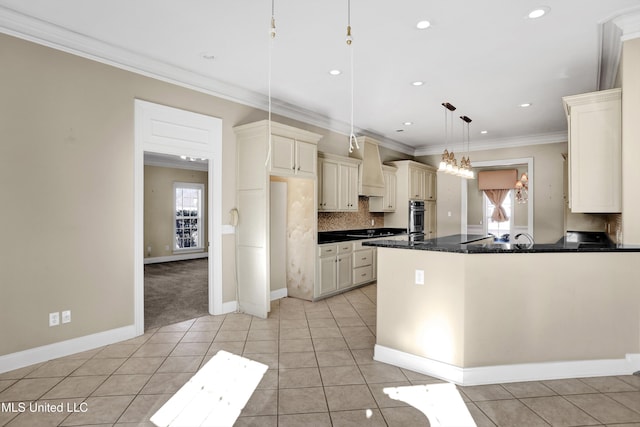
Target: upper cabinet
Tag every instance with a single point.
(415, 181)
(292, 156)
(337, 183)
(386, 203)
(595, 146)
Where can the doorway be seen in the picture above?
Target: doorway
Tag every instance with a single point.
(175, 252)
(171, 131)
(475, 209)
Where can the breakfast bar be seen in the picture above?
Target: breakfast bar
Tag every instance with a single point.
(470, 311)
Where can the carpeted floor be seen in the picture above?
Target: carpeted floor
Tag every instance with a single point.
(175, 291)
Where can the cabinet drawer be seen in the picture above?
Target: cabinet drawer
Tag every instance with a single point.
(362, 274)
(362, 258)
(327, 250)
(345, 248)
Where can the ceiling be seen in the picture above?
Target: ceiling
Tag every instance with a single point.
(485, 57)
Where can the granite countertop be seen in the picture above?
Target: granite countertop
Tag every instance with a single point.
(462, 243)
(358, 234)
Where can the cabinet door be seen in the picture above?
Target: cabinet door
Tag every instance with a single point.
(329, 195)
(348, 188)
(345, 268)
(391, 182)
(595, 157)
(282, 156)
(416, 183)
(306, 159)
(430, 229)
(327, 274)
(430, 185)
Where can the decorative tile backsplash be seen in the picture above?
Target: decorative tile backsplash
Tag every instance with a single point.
(332, 221)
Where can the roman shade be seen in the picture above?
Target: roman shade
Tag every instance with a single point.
(504, 179)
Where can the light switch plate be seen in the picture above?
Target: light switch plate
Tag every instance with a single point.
(419, 277)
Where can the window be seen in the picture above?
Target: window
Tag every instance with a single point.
(189, 214)
(499, 229)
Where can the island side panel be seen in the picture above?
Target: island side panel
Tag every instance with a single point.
(424, 320)
(545, 307)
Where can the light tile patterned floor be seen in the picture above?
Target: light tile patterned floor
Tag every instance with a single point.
(321, 373)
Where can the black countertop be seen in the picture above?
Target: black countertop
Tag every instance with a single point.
(463, 243)
(358, 234)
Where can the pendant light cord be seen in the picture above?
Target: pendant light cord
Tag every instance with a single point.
(352, 137)
(272, 36)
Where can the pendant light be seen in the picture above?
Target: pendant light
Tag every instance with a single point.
(353, 141)
(448, 162)
(465, 165)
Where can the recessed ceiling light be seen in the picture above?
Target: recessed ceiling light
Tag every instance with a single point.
(484, 132)
(335, 72)
(423, 25)
(208, 56)
(538, 12)
(525, 105)
(407, 123)
(417, 83)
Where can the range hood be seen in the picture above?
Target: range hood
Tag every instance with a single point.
(370, 178)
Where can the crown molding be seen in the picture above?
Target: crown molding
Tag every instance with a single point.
(47, 34)
(523, 141)
(613, 32)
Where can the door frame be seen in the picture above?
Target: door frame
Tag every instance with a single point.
(506, 162)
(154, 133)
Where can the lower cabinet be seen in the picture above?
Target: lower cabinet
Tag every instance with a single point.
(344, 265)
(334, 268)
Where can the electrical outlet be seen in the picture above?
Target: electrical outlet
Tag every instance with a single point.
(66, 316)
(419, 277)
(54, 319)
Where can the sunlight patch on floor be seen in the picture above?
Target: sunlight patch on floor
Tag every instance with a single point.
(441, 403)
(215, 395)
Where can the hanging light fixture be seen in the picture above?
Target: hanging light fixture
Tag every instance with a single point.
(353, 141)
(465, 166)
(448, 161)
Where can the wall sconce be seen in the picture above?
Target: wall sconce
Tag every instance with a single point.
(522, 189)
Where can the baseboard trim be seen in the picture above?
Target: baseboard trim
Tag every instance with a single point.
(179, 257)
(35, 355)
(229, 307)
(508, 373)
(279, 293)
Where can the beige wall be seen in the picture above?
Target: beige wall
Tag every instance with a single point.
(630, 141)
(67, 128)
(548, 225)
(159, 206)
(467, 316)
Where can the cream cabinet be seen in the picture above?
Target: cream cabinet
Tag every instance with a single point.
(335, 268)
(348, 187)
(253, 202)
(328, 175)
(386, 203)
(595, 151)
(362, 264)
(430, 220)
(337, 183)
(415, 181)
(292, 157)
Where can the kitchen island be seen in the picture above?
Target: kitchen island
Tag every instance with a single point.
(473, 312)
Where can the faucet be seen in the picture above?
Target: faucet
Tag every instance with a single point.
(528, 236)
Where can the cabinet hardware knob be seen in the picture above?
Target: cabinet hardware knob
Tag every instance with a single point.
(364, 259)
(298, 167)
(363, 274)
